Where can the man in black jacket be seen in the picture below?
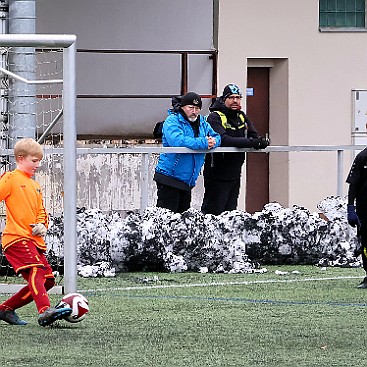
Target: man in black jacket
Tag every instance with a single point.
(357, 208)
(222, 171)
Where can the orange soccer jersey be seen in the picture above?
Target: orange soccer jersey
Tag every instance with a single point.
(24, 206)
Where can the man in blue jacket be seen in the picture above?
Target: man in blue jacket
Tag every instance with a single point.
(176, 173)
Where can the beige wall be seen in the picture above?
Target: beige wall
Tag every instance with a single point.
(311, 78)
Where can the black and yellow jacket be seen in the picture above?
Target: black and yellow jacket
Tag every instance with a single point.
(236, 130)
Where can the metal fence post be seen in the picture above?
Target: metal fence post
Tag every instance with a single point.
(339, 187)
(144, 181)
(70, 171)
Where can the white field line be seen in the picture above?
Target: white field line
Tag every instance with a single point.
(215, 284)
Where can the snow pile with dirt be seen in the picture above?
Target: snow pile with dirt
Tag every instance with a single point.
(233, 242)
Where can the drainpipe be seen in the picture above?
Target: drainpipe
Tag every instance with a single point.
(22, 96)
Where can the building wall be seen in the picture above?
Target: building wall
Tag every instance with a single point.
(311, 79)
(312, 73)
(131, 25)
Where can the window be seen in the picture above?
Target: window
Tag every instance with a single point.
(342, 13)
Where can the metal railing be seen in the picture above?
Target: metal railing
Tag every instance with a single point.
(147, 151)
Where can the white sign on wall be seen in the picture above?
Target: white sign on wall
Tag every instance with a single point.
(249, 92)
(359, 119)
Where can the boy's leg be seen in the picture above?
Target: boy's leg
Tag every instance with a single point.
(24, 295)
(28, 260)
(39, 281)
(32, 264)
(33, 291)
(7, 308)
(37, 291)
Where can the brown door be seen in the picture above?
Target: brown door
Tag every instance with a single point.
(257, 165)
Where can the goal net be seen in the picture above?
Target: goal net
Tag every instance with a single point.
(37, 99)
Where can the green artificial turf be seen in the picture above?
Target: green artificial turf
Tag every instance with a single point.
(314, 318)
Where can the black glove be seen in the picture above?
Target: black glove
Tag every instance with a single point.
(353, 219)
(260, 143)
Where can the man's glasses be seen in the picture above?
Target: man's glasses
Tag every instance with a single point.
(233, 98)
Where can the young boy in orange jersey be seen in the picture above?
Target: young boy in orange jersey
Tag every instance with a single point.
(23, 237)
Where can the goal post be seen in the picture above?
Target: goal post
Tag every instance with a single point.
(68, 45)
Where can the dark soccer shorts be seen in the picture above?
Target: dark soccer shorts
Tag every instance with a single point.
(24, 254)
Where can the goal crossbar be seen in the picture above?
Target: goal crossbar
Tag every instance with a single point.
(37, 40)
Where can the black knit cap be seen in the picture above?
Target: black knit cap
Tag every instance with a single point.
(192, 99)
(231, 89)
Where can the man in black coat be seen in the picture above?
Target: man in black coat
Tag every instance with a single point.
(357, 204)
(222, 171)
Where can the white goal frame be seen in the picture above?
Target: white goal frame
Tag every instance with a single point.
(67, 43)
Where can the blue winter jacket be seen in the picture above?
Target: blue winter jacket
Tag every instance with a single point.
(177, 132)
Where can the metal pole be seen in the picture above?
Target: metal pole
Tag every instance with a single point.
(214, 76)
(339, 188)
(184, 73)
(4, 92)
(50, 127)
(70, 171)
(22, 109)
(37, 40)
(144, 182)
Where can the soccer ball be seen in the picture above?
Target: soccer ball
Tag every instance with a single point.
(78, 303)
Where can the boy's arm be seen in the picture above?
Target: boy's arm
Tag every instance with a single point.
(5, 186)
(41, 216)
(40, 227)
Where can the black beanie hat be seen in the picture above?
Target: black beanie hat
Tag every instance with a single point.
(231, 89)
(192, 99)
